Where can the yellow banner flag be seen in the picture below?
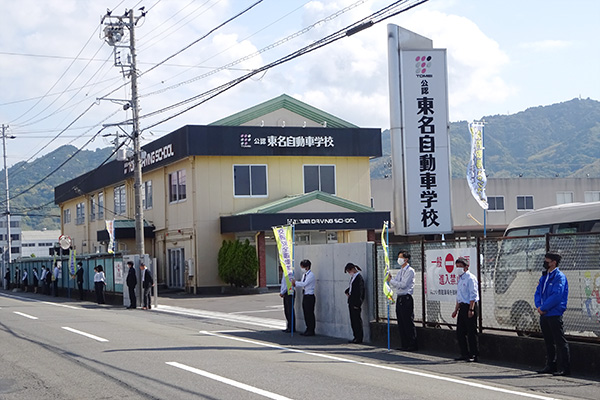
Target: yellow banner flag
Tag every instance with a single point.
(285, 244)
(387, 290)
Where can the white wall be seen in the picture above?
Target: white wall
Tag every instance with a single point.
(331, 309)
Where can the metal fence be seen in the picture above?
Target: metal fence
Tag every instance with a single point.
(508, 271)
(112, 265)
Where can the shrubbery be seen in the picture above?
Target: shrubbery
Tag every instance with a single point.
(238, 264)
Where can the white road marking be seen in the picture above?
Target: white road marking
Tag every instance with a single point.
(385, 367)
(262, 322)
(61, 305)
(25, 315)
(228, 381)
(98, 338)
(252, 312)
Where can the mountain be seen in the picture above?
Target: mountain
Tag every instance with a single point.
(32, 191)
(561, 139)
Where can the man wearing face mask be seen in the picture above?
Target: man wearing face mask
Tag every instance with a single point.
(467, 296)
(308, 282)
(356, 296)
(551, 302)
(403, 284)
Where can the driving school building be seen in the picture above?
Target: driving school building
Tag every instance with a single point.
(280, 162)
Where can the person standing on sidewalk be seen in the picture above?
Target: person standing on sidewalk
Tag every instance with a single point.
(467, 296)
(551, 298)
(36, 280)
(79, 278)
(99, 284)
(403, 284)
(147, 284)
(288, 305)
(131, 284)
(308, 282)
(356, 296)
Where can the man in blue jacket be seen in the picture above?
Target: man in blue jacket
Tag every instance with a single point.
(551, 302)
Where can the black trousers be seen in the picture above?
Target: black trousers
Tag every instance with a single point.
(466, 331)
(288, 306)
(356, 322)
(132, 298)
(557, 348)
(308, 307)
(405, 313)
(147, 297)
(99, 286)
(55, 288)
(80, 286)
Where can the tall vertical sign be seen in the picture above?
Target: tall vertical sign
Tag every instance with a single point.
(418, 81)
(426, 141)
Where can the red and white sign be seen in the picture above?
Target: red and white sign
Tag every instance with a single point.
(441, 274)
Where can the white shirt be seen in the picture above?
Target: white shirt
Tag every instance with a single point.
(404, 281)
(99, 277)
(284, 289)
(467, 288)
(308, 282)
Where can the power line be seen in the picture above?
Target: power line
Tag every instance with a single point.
(204, 36)
(367, 22)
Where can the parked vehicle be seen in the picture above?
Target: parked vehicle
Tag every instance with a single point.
(573, 230)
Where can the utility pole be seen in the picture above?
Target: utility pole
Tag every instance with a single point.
(114, 34)
(6, 257)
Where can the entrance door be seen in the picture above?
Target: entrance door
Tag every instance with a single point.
(176, 267)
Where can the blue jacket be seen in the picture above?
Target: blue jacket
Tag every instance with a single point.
(552, 293)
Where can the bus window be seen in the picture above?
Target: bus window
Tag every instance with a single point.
(566, 228)
(518, 232)
(539, 230)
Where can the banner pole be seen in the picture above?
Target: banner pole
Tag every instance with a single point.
(293, 291)
(387, 241)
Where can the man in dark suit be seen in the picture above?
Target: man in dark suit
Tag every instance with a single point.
(131, 284)
(147, 284)
(79, 276)
(356, 296)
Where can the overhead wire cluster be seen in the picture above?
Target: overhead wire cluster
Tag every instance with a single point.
(194, 101)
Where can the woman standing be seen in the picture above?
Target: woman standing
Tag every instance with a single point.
(36, 280)
(99, 284)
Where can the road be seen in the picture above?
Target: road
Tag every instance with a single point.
(59, 349)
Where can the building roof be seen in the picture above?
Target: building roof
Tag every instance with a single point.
(288, 202)
(289, 103)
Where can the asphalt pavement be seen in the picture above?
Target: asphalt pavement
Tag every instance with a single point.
(257, 320)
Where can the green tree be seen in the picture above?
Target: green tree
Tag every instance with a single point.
(238, 264)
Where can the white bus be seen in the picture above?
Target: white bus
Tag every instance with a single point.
(575, 234)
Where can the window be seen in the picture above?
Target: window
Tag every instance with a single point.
(80, 214)
(592, 196)
(177, 187)
(27, 244)
(524, 203)
(67, 216)
(495, 203)
(15, 236)
(92, 208)
(120, 200)
(319, 177)
(564, 197)
(147, 199)
(15, 224)
(250, 180)
(101, 205)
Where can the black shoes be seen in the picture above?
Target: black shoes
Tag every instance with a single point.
(473, 359)
(547, 370)
(307, 334)
(462, 358)
(562, 373)
(355, 341)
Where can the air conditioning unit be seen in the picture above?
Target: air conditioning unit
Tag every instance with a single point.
(122, 154)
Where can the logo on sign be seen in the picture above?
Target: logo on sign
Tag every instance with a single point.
(449, 263)
(422, 63)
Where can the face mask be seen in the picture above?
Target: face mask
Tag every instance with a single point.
(400, 261)
(546, 265)
(461, 272)
(303, 270)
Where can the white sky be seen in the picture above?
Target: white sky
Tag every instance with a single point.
(504, 56)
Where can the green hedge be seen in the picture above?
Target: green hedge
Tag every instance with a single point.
(238, 264)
